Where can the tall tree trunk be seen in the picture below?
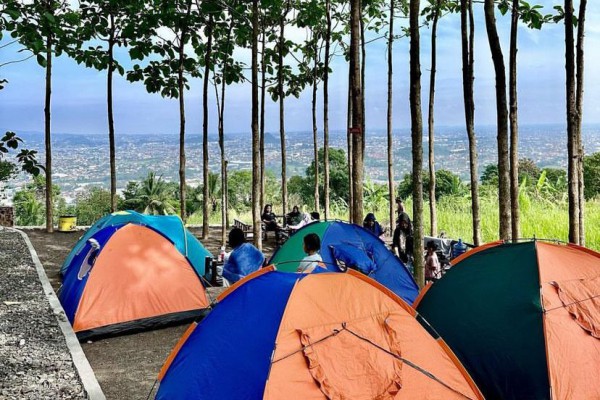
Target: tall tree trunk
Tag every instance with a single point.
(430, 121)
(572, 142)
(182, 158)
(284, 193)
(467, 22)
(514, 125)
(263, 89)
(357, 114)
(314, 127)
(48, 139)
(579, 108)
(363, 59)
(417, 141)
(390, 113)
(256, 226)
(221, 109)
(205, 171)
(220, 106)
(326, 110)
(111, 122)
(502, 121)
(349, 143)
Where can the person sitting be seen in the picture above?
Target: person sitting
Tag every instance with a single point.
(306, 219)
(433, 269)
(294, 217)
(402, 242)
(269, 219)
(370, 223)
(311, 245)
(243, 259)
(315, 216)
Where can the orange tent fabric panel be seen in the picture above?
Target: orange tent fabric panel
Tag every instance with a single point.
(345, 366)
(138, 274)
(572, 353)
(374, 316)
(582, 299)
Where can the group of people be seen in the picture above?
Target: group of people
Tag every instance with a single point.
(295, 220)
(403, 242)
(245, 258)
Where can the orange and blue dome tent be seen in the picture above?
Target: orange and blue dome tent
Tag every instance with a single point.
(355, 247)
(132, 275)
(324, 335)
(523, 318)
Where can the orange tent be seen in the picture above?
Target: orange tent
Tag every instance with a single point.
(136, 279)
(279, 335)
(523, 318)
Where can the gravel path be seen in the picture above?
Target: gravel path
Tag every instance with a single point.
(35, 362)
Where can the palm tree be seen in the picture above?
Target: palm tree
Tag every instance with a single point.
(154, 195)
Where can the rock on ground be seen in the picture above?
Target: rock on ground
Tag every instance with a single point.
(35, 362)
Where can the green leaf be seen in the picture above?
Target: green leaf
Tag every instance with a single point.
(41, 60)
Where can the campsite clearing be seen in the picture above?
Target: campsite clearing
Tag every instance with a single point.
(126, 366)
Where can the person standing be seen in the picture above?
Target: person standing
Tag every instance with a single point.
(402, 242)
(433, 269)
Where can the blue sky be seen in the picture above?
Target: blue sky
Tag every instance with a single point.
(79, 104)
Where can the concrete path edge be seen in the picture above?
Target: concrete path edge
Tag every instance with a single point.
(88, 378)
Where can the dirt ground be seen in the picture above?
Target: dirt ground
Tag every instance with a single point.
(126, 366)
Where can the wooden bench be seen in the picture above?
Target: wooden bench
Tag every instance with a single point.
(247, 229)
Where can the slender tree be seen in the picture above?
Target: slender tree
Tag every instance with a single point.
(572, 139)
(514, 125)
(255, 131)
(579, 111)
(181, 97)
(230, 72)
(349, 143)
(315, 84)
(205, 169)
(263, 90)
(435, 15)
(467, 23)
(280, 80)
(390, 113)
(356, 130)
(47, 28)
(168, 75)
(417, 140)
(502, 121)
(326, 109)
(110, 23)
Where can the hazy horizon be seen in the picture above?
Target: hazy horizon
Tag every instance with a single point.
(79, 93)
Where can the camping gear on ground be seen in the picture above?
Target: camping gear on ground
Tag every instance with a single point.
(324, 335)
(458, 248)
(345, 245)
(445, 249)
(130, 277)
(523, 318)
(67, 223)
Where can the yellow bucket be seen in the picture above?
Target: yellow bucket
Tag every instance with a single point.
(67, 223)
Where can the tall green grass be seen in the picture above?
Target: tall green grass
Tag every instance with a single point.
(539, 219)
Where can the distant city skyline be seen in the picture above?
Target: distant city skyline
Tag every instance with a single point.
(79, 104)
